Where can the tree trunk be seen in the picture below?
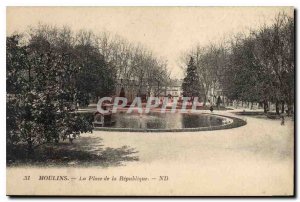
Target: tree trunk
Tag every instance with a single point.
(282, 107)
(204, 101)
(290, 108)
(205, 98)
(265, 106)
(30, 150)
(277, 107)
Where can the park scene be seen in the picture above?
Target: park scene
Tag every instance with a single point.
(85, 98)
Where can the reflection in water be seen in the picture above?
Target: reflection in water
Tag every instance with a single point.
(156, 120)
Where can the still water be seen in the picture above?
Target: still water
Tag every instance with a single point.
(156, 120)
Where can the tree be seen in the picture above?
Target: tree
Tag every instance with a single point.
(94, 78)
(260, 66)
(275, 52)
(39, 106)
(16, 61)
(131, 62)
(191, 85)
(209, 61)
(219, 101)
(122, 93)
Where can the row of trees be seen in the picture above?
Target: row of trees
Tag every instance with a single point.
(51, 70)
(133, 63)
(255, 67)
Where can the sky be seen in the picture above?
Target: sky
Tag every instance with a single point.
(167, 31)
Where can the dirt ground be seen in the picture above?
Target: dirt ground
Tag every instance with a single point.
(255, 159)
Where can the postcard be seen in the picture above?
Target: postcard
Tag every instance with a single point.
(150, 101)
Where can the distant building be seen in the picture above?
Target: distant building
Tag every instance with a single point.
(174, 91)
(133, 89)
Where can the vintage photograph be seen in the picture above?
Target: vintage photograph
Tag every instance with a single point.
(150, 101)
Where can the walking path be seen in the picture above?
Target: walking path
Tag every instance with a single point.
(253, 159)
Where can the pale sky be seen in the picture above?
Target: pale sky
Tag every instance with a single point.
(167, 31)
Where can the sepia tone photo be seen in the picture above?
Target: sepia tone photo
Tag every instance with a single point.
(150, 101)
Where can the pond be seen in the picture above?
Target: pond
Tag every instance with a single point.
(155, 120)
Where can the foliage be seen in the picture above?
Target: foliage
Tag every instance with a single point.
(39, 101)
(191, 85)
(50, 71)
(258, 67)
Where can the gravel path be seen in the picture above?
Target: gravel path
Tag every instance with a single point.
(253, 159)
